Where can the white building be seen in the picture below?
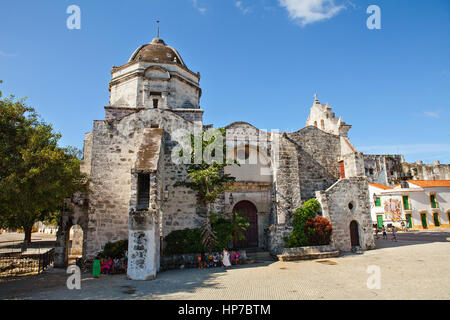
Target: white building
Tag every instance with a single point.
(420, 204)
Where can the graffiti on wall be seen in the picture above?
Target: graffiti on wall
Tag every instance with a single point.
(392, 209)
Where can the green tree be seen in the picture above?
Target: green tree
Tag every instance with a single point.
(35, 174)
(239, 224)
(207, 178)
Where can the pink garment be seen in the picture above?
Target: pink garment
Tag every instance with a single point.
(107, 265)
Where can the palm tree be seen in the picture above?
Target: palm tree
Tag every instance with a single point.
(240, 224)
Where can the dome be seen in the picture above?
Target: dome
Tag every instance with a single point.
(157, 51)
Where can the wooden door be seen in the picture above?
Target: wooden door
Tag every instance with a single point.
(380, 221)
(409, 221)
(354, 233)
(251, 234)
(342, 168)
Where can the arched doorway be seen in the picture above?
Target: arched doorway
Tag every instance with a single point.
(251, 234)
(74, 244)
(354, 233)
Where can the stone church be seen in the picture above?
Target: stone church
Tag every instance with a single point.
(128, 158)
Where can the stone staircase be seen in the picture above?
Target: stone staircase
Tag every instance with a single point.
(258, 255)
(308, 253)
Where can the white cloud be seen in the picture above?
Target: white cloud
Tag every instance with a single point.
(310, 11)
(200, 9)
(431, 114)
(241, 7)
(4, 54)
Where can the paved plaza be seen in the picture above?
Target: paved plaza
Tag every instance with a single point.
(415, 267)
(12, 241)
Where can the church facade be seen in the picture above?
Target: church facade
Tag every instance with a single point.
(129, 158)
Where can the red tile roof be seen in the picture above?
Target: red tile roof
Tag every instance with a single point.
(430, 183)
(380, 186)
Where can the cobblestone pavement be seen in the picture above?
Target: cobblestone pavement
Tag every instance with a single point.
(415, 267)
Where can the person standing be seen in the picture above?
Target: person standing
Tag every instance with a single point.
(96, 268)
(384, 233)
(394, 234)
(226, 259)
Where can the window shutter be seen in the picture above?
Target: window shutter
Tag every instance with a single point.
(433, 201)
(405, 202)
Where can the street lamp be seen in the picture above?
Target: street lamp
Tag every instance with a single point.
(230, 199)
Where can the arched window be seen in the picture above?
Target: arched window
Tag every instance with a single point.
(322, 124)
(242, 154)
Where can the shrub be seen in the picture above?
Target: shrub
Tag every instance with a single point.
(318, 231)
(114, 249)
(298, 237)
(309, 230)
(190, 240)
(183, 241)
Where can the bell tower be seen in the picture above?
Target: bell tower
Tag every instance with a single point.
(323, 117)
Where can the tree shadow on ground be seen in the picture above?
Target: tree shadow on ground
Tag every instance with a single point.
(171, 284)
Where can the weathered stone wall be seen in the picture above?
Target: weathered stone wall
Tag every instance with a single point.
(390, 169)
(114, 150)
(73, 214)
(116, 113)
(420, 171)
(335, 207)
(318, 154)
(353, 164)
(132, 84)
(287, 180)
(193, 115)
(85, 165)
(275, 236)
(125, 93)
(383, 169)
(181, 209)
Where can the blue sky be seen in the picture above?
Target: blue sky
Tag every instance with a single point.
(261, 61)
